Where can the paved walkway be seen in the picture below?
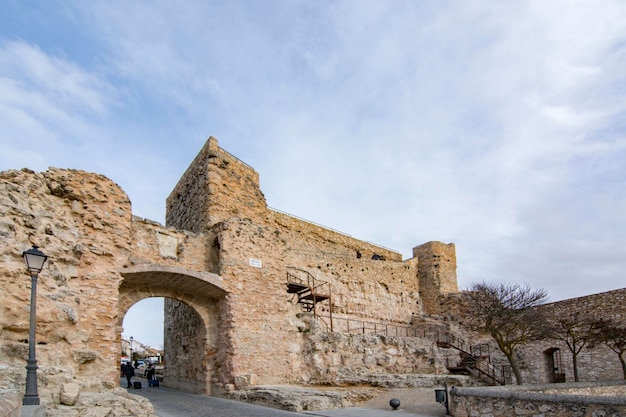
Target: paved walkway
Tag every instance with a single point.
(171, 403)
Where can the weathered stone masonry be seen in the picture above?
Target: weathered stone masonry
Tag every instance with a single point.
(221, 197)
(103, 260)
(221, 263)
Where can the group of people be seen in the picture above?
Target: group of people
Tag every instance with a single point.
(128, 371)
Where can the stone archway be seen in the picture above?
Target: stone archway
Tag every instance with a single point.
(191, 335)
(553, 365)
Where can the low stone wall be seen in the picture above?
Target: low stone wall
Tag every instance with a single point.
(10, 405)
(592, 399)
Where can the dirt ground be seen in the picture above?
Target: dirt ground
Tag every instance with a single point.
(413, 400)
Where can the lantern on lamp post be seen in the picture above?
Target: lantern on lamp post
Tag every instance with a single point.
(34, 260)
(131, 350)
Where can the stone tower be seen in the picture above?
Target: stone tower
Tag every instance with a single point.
(216, 187)
(436, 273)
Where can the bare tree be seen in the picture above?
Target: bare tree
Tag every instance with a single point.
(576, 330)
(613, 335)
(507, 313)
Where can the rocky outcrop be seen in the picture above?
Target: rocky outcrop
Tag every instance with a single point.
(82, 221)
(300, 398)
(116, 402)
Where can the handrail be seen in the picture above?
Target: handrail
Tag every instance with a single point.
(481, 361)
(356, 326)
(310, 280)
(235, 158)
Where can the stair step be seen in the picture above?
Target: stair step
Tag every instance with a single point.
(316, 297)
(294, 288)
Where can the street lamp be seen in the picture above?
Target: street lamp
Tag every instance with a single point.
(131, 350)
(34, 260)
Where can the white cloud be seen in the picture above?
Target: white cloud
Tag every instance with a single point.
(496, 125)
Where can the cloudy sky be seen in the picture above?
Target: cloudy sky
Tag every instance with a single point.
(497, 125)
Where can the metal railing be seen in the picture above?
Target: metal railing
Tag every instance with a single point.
(476, 358)
(309, 290)
(480, 350)
(356, 326)
(228, 154)
(300, 276)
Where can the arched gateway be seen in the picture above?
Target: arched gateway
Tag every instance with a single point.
(192, 298)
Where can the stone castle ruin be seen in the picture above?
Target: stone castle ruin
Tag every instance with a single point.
(253, 296)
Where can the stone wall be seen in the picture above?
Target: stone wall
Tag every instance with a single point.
(188, 357)
(152, 243)
(341, 359)
(594, 364)
(536, 363)
(362, 285)
(82, 222)
(562, 400)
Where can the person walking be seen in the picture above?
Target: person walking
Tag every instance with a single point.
(150, 375)
(129, 372)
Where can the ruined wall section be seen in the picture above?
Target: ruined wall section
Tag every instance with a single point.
(384, 288)
(259, 318)
(377, 291)
(307, 237)
(437, 273)
(82, 222)
(339, 359)
(252, 247)
(216, 187)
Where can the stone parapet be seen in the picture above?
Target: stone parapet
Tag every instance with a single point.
(338, 243)
(548, 400)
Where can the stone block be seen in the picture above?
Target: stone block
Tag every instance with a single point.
(69, 393)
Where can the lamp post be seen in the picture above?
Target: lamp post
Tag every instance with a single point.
(131, 350)
(34, 260)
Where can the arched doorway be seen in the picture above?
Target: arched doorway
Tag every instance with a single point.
(554, 365)
(191, 320)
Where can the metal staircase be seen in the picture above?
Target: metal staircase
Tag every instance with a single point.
(309, 291)
(474, 360)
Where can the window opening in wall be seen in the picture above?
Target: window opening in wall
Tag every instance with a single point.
(214, 257)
